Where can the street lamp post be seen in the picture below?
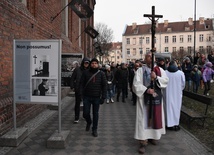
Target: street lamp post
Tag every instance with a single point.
(141, 50)
(194, 28)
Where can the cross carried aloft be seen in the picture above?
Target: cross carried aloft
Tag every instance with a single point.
(152, 18)
(153, 50)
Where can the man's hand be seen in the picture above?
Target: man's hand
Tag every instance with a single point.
(153, 75)
(150, 91)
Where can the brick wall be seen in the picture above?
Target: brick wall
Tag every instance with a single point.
(33, 21)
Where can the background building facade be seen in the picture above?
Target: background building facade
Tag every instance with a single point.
(115, 53)
(170, 37)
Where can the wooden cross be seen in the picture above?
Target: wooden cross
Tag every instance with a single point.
(153, 26)
(34, 59)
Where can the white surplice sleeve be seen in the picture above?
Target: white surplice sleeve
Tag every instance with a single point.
(138, 87)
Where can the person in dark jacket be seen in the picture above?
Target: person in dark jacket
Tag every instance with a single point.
(187, 68)
(75, 84)
(121, 77)
(93, 89)
(161, 63)
(42, 87)
(196, 77)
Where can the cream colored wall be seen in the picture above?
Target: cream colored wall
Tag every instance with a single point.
(160, 43)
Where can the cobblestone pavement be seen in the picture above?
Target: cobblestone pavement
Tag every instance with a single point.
(116, 130)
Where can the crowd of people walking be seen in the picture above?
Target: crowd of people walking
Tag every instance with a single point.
(156, 92)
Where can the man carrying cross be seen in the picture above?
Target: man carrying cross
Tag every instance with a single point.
(147, 85)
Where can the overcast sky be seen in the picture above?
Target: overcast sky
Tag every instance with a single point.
(116, 14)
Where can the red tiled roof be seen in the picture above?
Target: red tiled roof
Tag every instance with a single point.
(115, 44)
(175, 27)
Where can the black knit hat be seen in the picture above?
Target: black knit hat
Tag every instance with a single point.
(94, 59)
(160, 59)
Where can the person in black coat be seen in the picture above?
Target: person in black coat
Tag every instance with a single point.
(75, 84)
(42, 87)
(121, 77)
(187, 68)
(93, 90)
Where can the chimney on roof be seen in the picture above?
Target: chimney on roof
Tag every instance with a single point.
(201, 20)
(190, 21)
(134, 26)
(165, 23)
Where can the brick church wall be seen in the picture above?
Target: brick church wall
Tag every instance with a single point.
(30, 22)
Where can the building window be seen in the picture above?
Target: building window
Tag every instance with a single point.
(209, 49)
(181, 48)
(208, 37)
(189, 49)
(118, 57)
(181, 38)
(189, 38)
(141, 40)
(147, 40)
(174, 39)
(166, 39)
(201, 37)
(134, 51)
(147, 50)
(127, 40)
(141, 50)
(166, 49)
(174, 49)
(201, 48)
(134, 41)
(128, 51)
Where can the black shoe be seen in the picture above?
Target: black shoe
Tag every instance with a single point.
(94, 133)
(88, 127)
(170, 128)
(123, 101)
(177, 128)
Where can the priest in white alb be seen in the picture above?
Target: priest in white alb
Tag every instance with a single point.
(150, 121)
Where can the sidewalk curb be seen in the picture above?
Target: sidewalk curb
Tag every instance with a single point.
(38, 120)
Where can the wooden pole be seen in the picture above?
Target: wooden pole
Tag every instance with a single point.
(153, 50)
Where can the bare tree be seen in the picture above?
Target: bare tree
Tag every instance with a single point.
(180, 54)
(104, 39)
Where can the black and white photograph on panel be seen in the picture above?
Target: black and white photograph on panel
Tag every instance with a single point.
(69, 63)
(40, 65)
(44, 87)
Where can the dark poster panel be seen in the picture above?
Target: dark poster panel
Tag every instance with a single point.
(69, 62)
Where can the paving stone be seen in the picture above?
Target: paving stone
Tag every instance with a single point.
(115, 135)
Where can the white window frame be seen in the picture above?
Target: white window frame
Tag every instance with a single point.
(189, 38)
(201, 37)
(166, 39)
(128, 41)
(174, 39)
